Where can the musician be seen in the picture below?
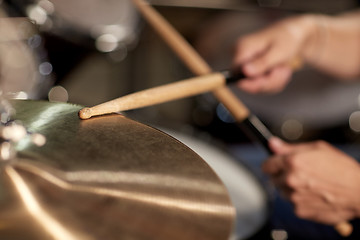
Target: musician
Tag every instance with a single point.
(322, 182)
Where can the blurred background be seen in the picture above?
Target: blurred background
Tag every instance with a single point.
(89, 52)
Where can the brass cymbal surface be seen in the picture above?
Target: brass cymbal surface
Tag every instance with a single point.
(107, 177)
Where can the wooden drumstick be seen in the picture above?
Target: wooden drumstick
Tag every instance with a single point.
(190, 57)
(163, 93)
(156, 95)
(193, 60)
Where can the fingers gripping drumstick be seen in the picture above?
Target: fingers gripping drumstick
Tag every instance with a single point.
(198, 66)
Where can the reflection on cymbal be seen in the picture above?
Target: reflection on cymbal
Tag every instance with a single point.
(107, 178)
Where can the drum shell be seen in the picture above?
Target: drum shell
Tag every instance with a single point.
(250, 193)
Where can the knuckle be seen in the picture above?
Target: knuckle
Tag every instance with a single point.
(292, 162)
(242, 45)
(294, 198)
(301, 212)
(262, 63)
(321, 144)
(256, 90)
(291, 181)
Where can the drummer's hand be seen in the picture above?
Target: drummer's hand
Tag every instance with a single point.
(322, 182)
(264, 56)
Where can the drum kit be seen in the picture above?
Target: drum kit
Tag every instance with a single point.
(107, 177)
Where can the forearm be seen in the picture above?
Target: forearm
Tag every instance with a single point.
(334, 45)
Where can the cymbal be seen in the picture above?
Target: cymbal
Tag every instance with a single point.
(107, 178)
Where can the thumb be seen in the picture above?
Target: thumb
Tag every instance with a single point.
(278, 146)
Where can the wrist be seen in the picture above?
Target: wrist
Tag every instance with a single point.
(315, 27)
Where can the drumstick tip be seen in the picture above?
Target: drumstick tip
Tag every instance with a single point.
(85, 113)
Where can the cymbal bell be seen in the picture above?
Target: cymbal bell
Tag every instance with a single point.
(107, 178)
